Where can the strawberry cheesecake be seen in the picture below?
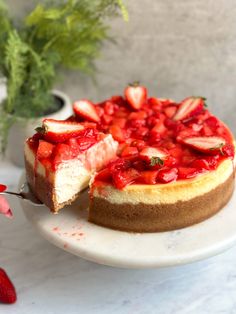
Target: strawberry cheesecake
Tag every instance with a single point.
(61, 158)
(152, 164)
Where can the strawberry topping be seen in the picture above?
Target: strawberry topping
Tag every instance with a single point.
(189, 107)
(57, 131)
(167, 175)
(126, 177)
(136, 95)
(86, 109)
(148, 153)
(45, 149)
(210, 144)
(160, 141)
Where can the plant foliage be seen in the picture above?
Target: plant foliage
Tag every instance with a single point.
(56, 34)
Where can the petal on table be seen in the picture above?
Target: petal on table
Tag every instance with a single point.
(5, 207)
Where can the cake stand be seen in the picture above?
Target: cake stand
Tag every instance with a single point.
(70, 231)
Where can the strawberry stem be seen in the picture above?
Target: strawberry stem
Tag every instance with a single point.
(156, 161)
(40, 130)
(220, 146)
(135, 84)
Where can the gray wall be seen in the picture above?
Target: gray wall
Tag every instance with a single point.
(176, 48)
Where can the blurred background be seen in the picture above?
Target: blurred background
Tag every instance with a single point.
(176, 48)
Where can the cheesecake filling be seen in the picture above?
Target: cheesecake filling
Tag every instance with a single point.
(72, 176)
(182, 190)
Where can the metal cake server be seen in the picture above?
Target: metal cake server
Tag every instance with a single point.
(24, 194)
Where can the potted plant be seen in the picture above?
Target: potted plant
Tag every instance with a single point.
(55, 35)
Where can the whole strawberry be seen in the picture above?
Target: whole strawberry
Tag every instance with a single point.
(7, 290)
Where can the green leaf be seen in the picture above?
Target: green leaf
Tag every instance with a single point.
(16, 67)
(156, 161)
(123, 9)
(56, 35)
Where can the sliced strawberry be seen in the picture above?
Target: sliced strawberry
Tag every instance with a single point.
(200, 164)
(212, 161)
(121, 122)
(140, 144)
(212, 122)
(166, 101)
(86, 142)
(189, 107)
(228, 150)
(118, 100)
(104, 175)
(61, 152)
(206, 131)
(106, 119)
(170, 161)
(136, 123)
(170, 111)
(126, 177)
(122, 113)
(117, 133)
(139, 115)
(129, 151)
(152, 152)
(159, 128)
(73, 143)
(2, 188)
(45, 149)
(109, 108)
(99, 110)
(152, 121)
(154, 138)
(119, 164)
(121, 147)
(176, 152)
(155, 103)
(196, 127)
(187, 160)
(7, 290)
(167, 175)
(148, 176)
(57, 131)
(86, 109)
(210, 144)
(136, 95)
(185, 133)
(141, 133)
(187, 173)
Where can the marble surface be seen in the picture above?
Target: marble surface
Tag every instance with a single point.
(51, 281)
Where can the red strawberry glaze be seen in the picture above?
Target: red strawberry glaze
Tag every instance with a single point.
(155, 125)
(52, 154)
(144, 125)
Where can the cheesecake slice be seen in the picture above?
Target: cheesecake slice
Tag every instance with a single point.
(59, 165)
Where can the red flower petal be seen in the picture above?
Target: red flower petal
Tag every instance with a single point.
(5, 207)
(2, 187)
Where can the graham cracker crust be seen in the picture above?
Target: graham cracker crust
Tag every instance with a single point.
(160, 217)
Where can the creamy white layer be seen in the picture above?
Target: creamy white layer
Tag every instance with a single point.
(74, 175)
(170, 193)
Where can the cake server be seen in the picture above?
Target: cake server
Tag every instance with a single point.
(24, 194)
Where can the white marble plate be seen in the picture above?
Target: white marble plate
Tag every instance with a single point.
(70, 231)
